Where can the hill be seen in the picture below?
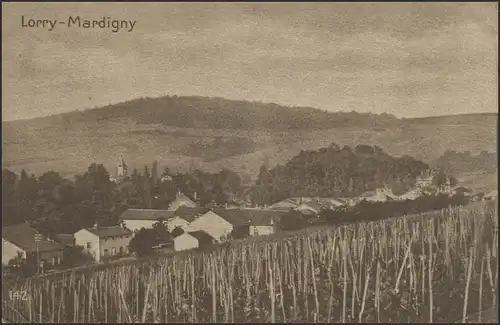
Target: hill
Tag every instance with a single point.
(211, 133)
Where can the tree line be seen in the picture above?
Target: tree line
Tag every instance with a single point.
(336, 172)
(53, 204)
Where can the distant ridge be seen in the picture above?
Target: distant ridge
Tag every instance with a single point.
(219, 113)
(191, 132)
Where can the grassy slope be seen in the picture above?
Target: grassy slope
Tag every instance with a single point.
(69, 143)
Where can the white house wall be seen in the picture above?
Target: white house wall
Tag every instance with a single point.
(82, 237)
(212, 224)
(138, 224)
(109, 243)
(185, 242)
(10, 251)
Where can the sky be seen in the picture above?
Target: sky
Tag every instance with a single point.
(406, 59)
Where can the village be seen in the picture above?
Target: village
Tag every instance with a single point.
(186, 225)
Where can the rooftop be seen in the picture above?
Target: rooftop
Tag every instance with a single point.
(314, 202)
(23, 236)
(113, 231)
(253, 217)
(188, 213)
(146, 214)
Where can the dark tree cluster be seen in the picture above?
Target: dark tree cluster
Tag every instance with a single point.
(462, 162)
(334, 172)
(145, 240)
(53, 204)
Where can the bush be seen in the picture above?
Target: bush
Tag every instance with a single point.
(76, 256)
(293, 220)
(371, 211)
(144, 239)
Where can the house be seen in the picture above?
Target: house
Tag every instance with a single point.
(326, 203)
(182, 200)
(177, 222)
(135, 219)
(308, 204)
(22, 239)
(410, 195)
(254, 222)
(347, 201)
(307, 208)
(287, 204)
(379, 195)
(183, 216)
(425, 179)
(193, 239)
(104, 241)
(213, 224)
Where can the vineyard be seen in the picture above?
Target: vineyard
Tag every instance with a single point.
(434, 267)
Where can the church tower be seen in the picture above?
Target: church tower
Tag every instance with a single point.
(122, 169)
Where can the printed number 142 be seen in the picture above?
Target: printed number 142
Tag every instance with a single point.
(18, 295)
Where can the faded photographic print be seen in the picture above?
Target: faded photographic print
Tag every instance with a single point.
(246, 162)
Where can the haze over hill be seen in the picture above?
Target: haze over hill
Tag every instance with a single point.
(211, 133)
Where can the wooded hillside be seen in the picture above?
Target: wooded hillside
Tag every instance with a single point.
(336, 171)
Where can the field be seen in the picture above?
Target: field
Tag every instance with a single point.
(436, 267)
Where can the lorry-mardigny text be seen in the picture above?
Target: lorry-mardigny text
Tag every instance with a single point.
(115, 25)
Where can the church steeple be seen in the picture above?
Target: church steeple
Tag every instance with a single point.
(121, 169)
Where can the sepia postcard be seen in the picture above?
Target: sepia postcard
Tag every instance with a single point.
(181, 162)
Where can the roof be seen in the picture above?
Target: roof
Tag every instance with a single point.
(182, 197)
(308, 207)
(314, 202)
(65, 239)
(287, 203)
(146, 214)
(253, 217)
(202, 236)
(23, 236)
(189, 213)
(179, 200)
(377, 196)
(112, 231)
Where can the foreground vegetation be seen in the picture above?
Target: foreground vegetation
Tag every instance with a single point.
(404, 269)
